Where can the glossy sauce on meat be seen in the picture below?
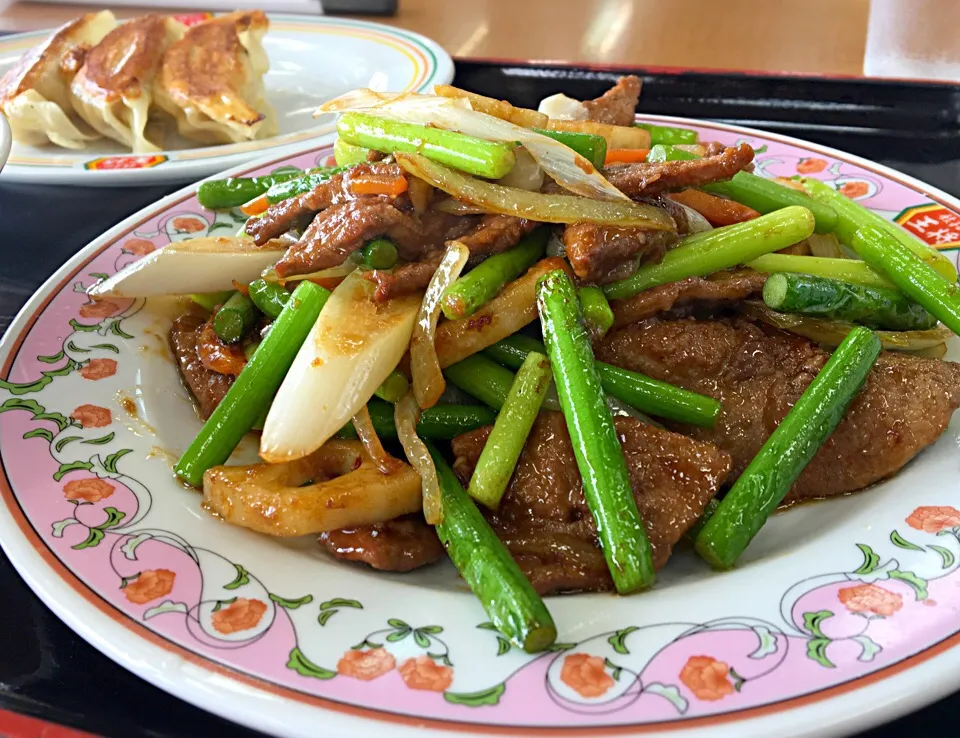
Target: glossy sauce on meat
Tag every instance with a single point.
(543, 517)
(759, 373)
(207, 387)
(398, 545)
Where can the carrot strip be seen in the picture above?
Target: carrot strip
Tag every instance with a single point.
(393, 186)
(717, 210)
(625, 156)
(256, 206)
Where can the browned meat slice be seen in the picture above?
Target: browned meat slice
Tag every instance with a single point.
(544, 520)
(206, 386)
(398, 545)
(496, 233)
(718, 288)
(405, 279)
(618, 104)
(758, 373)
(606, 253)
(712, 148)
(281, 217)
(342, 229)
(648, 178)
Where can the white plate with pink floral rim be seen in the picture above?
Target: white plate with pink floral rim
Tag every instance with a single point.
(312, 60)
(842, 614)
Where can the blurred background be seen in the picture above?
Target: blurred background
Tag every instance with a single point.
(893, 38)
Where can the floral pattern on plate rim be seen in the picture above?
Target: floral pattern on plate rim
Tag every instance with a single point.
(831, 627)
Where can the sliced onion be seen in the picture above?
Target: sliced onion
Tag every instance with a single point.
(337, 272)
(428, 382)
(563, 164)
(454, 206)
(497, 108)
(832, 332)
(352, 348)
(525, 175)
(420, 194)
(545, 208)
(209, 264)
(406, 415)
(367, 434)
(825, 244)
(504, 315)
(696, 223)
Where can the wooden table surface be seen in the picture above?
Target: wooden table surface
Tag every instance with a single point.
(798, 36)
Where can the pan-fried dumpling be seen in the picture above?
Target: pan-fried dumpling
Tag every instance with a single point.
(113, 90)
(211, 80)
(35, 94)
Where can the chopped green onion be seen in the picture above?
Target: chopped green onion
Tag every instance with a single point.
(505, 443)
(914, 276)
(851, 216)
(482, 283)
(209, 301)
(669, 134)
(722, 248)
(235, 319)
(487, 567)
(591, 147)
(488, 159)
(596, 310)
(831, 299)
(596, 446)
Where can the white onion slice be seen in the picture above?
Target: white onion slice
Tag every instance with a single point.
(428, 382)
(363, 425)
(334, 272)
(525, 175)
(406, 415)
(569, 169)
(562, 107)
(352, 348)
(696, 223)
(209, 264)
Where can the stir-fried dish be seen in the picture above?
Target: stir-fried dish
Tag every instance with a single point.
(547, 344)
